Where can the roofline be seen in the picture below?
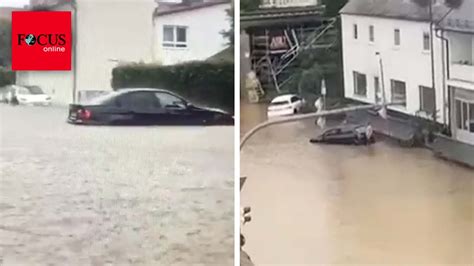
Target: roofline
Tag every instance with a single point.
(386, 17)
(188, 8)
(470, 32)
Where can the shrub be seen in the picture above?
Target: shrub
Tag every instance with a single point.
(7, 77)
(206, 83)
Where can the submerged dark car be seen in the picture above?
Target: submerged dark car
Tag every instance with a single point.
(145, 107)
(346, 134)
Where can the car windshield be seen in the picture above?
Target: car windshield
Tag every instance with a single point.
(279, 103)
(34, 90)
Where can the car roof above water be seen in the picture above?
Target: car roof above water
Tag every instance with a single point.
(285, 97)
(347, 127)
(125, 90)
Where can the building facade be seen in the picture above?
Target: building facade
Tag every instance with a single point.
(190, 31)
(391, 54)
(388, 50)
(457, 31)
(105, 34)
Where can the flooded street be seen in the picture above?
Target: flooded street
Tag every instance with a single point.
(329, 204)
(87, 195)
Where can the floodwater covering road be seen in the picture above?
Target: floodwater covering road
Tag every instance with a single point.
(347, 205)
(85, 195)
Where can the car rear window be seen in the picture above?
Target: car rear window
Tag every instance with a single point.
(34, 90)
(103, 99)
(279, 103)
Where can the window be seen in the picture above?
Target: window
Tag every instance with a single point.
(355, 32)
(471, 117)
(294, 99)
(168, 100)
(458, 114)
(465, 116)
(175, 36)
(427, 99)
(371, 33)
(465, 119)
(398, 92)
(139, 101)
(426, 41)
(360, 84)
(397, 37)
(378, 93)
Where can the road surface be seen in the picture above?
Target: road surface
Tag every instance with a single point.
(85, 195)
(316, 204)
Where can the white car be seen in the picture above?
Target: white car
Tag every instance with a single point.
(288, 104)
(33, 95)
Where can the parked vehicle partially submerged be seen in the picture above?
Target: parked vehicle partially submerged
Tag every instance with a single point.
(283, 105)
(145, 107)
(25, 95)
(347, 134)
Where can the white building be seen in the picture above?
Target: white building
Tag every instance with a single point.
(110, 32)
(458, 29)
(190, 30)
(399, 32)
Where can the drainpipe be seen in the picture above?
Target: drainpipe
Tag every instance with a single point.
(446, 75)
(74, 52)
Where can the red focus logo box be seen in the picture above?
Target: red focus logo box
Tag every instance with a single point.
(41, 40)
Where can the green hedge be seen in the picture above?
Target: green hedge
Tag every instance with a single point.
(7, 77)
(204, 83)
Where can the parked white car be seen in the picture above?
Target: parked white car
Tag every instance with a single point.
(33, 95)
(288, 104)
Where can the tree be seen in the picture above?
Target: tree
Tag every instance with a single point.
(249, 5)
(5, 42)
(229, 34)
(333, 6)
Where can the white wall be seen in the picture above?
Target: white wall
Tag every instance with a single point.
(111, 30)
(408, 62)
(203, 34)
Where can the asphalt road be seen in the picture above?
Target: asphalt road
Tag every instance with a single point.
(317, 204)
(84, 195)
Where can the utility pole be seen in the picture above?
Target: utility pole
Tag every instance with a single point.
(433, 85)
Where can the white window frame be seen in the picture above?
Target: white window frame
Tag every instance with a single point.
(395, 37)
(460, 115)
(393, 95)
(175, 43)
(355, 74)
(371, 34)
(426, 49)
(422, 101)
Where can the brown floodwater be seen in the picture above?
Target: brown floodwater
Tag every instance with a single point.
(350, 205)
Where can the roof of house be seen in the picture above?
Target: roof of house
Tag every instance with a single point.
(172, 8)
(280, 16)
(459, 19)
(398, 9)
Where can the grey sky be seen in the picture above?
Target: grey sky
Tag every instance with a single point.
(14, 3)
